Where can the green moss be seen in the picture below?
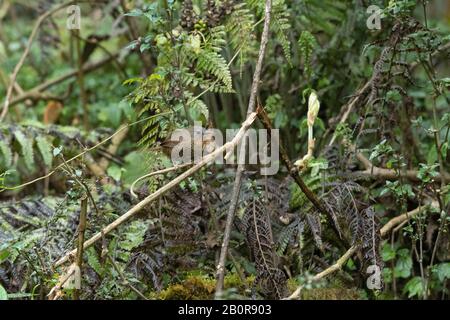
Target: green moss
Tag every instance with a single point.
(234, 281)
(336, 290)
(199, 287)
(192, 288)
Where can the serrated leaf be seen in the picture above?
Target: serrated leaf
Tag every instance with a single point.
(26, 145)
(3, 293)
(414, 287)
(6, 154)
(442, 271)
(45, 148)
(133, 235)
(404, 264)
(93, 261)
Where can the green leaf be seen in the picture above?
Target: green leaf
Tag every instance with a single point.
(414, 287)
(132, 80)
(387, 275)
(7, 154)
(432, 156)
(383, 148)
(442, 271)
(387, 252)
(115, 172)
(316, 165)
(133, 235)
(45, 148)
(393, 95)
(351, 264)
(135, 166)
(27, 149)
(93, 261)
(3, 293)
(57, 151)
(404, 264)
(427, 173)
(444, 149)
(307, 43)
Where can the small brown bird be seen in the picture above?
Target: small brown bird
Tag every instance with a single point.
(199, 137)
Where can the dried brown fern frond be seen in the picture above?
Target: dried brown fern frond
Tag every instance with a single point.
(261, 203)
(257, 228)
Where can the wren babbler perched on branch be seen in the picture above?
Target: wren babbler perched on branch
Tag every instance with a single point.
(192, 138)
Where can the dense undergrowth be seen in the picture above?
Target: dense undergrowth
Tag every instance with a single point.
(73, 142)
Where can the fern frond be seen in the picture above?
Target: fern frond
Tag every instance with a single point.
(240, 29)
(26, 144)
(211, 62)
(45, 148)
(280, 26)
(93, 261)
(306, 44)
(5, 153)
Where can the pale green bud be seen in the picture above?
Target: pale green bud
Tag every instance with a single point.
(313, 108)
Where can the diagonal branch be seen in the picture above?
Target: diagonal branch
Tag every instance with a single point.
(173, 183)
(37, 93)
(25, 54)
(295, 175)
(348, 254)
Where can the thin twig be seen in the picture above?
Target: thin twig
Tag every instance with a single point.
(124, 279)
(151, 174)
(81, 232)
(25, 54)
(237, 182)
(37, 93)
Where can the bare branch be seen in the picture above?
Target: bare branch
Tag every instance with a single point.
(37, 93)
(237, 182)
(347, 255)
(25, 54)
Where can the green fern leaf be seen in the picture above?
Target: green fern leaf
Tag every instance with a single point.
(5, 150)
(93, 261)
(199, 108)
(45, 148)
(213, 63)
(281, 25)
(26, 145)
(240, 28)
(307, 43)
